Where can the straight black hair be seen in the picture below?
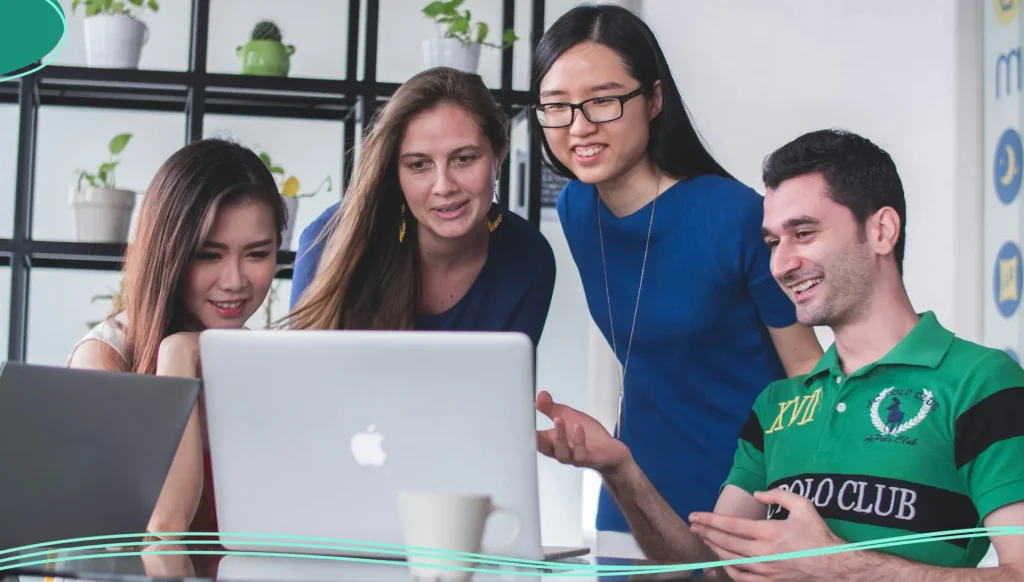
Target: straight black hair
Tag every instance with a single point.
(674, 145)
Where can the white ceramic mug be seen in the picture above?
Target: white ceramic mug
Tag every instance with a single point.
(449, 522)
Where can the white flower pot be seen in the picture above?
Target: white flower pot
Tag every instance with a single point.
(114, 41)
(450, 52)
(292, 205)
(102, 214)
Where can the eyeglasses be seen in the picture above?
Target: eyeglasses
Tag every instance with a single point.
(596, 110)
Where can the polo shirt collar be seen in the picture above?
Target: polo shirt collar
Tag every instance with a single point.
(925, 345)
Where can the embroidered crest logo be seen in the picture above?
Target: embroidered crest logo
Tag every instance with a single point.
(894, 424)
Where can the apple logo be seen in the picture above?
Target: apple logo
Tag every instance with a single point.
(366, 447)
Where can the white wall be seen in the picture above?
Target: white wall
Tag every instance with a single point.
(904, 74)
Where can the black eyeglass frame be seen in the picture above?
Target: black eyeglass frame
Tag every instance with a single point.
(622, 99)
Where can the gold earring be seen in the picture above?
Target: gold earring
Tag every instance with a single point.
(401, 228)
(491, 225)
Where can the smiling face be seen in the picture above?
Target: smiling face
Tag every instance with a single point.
(230, 276)
(597, 152)
(820, 255)
(447, 170)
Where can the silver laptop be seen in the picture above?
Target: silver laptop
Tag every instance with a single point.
(85, 452)
(314, 433)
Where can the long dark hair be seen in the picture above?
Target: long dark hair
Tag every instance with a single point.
(366, 278)
(674, 146)
(176, 215)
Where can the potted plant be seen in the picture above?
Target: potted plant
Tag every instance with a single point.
(116, 299)
(103, 212)
(290, 190)
(114, 35)
(264, 54)
(459, 42)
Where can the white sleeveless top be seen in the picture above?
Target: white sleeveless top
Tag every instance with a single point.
(107, 332)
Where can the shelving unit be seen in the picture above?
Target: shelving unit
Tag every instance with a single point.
(198, 93)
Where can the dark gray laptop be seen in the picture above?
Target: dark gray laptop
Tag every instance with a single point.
(84, 452)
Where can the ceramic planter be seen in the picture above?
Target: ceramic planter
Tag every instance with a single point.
(265, 57)
(102, 214)
(114, 41)
(451, 52)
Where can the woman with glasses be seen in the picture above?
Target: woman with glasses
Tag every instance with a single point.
(670, 252)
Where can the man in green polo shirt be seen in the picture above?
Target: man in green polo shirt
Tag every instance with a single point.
(902, 428)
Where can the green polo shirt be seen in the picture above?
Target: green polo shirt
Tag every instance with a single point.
(929, 438)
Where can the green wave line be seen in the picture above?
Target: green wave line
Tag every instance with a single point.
(428, 552)
(60, 45)
(582, 569)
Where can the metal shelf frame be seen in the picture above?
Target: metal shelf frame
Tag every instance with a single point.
(197, 93)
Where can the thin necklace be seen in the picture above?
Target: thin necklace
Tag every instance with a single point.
(636, 309)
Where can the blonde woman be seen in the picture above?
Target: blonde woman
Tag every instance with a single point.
(419, 242)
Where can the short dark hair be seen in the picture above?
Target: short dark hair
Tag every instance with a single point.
(860, 175)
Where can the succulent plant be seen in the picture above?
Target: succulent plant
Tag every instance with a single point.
(266, 30)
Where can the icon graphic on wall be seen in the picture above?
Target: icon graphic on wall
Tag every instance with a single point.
(1007, 279)
(1006, 10)
(1006, 170)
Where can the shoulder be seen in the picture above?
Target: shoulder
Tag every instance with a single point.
(575, 198)
(730, 199)
(523, 244)
(313, 229)
(524, 238)
(983, 372)
(105, 343)
(95, 354)
(783, 390)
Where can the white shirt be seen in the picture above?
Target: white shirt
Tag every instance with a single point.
(107, 332)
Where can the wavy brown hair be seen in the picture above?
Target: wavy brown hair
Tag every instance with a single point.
(366, 278)
(177, 212)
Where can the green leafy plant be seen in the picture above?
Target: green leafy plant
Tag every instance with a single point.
(129, 8)
(104, 176)
(117, 303)
(290, 186)
(460, 25)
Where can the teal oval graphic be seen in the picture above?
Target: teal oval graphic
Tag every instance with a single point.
(33, 29)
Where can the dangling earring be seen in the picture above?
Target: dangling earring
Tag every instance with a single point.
(401, 227)
(493, 224)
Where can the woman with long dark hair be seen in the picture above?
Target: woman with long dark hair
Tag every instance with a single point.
(669, 248)
(204, 257)
(419, 241)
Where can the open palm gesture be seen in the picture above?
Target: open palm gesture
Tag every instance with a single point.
(577, 439)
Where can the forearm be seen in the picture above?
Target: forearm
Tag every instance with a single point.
(183, 487)
(864, 566)
(657, 528)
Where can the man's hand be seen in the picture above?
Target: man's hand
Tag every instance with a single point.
(578, 439)
(733, 538)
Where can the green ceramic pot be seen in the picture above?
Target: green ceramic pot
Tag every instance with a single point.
(265, 57)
